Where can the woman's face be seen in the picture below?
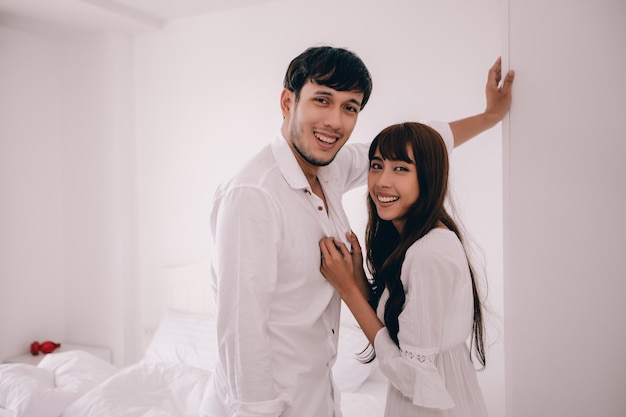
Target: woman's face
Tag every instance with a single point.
(393, 187)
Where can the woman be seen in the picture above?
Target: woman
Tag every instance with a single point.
(422, 303)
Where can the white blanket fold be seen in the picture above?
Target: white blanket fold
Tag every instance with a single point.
(47, 389)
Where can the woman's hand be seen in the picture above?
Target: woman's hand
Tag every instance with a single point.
(344, 270)
(357, 255)
(337, 264)
(357, 261)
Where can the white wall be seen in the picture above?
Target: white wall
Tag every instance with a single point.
(564, 210)
(68, 246)
(207, 98)
(100, 193)
(31, 228)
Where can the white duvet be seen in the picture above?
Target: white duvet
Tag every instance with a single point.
(169, 381)
(47, 389)
(78, 384)
(146, 390)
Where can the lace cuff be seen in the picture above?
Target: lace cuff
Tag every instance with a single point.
(421, 357)
(429, 389)
(413, 372)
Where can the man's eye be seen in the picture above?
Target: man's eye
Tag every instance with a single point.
(352, 109)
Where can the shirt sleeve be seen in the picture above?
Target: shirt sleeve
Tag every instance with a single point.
(445, 131)
(356, 164)
(246, 236)
(411, 368)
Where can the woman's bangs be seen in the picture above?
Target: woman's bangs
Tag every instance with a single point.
(394, 145)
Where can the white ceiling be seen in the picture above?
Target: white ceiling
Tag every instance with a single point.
(68, 18)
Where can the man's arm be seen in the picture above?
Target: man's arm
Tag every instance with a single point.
(498, 104)
(246, 230)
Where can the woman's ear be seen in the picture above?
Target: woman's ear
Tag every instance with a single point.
(286, 101)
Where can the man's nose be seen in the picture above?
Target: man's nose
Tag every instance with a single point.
(333, 118)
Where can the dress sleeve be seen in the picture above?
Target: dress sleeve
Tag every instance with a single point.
(246, 236)
(411, 368)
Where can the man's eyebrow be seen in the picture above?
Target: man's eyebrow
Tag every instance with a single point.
(356, 102)
(330, 94)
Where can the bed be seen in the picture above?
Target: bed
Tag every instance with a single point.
(169, 380)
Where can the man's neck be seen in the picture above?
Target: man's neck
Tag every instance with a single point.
(310, 171)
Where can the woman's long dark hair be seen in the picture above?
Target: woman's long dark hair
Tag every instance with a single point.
(386, 248)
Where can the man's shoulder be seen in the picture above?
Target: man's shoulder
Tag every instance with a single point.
(257, 171)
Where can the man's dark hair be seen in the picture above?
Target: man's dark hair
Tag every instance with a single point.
(337, 68)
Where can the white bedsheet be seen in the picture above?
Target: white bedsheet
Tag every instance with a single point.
(47, 389)
(146, 390)
(78, 384)
(369, 399)
(169, 381)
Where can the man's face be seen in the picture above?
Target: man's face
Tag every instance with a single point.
(320, 122)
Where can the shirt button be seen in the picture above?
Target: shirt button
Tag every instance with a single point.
(332, 330)
(320, 208)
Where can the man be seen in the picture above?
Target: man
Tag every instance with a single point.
(277, 317)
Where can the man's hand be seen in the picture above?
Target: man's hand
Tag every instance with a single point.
(499, 98)
(498, 94)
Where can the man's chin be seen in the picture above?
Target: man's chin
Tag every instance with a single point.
(322, 163)
(314, 161)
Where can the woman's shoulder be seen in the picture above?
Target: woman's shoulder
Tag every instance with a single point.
(439, 250)
(438, 241)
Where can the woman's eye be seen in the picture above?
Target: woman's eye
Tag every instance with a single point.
(375, 166)
(400, 168)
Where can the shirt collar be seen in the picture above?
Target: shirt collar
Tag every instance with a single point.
(289, 168)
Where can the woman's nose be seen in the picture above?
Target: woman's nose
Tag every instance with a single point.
(383, 179)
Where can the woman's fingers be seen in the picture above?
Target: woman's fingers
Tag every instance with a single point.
(331, 247)
(354, 241)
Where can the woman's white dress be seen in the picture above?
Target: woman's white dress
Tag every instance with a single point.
(431, 374)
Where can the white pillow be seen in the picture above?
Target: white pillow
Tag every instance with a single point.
(185, 338)
(349, 372)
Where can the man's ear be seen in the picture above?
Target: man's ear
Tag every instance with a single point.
(287, 99)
